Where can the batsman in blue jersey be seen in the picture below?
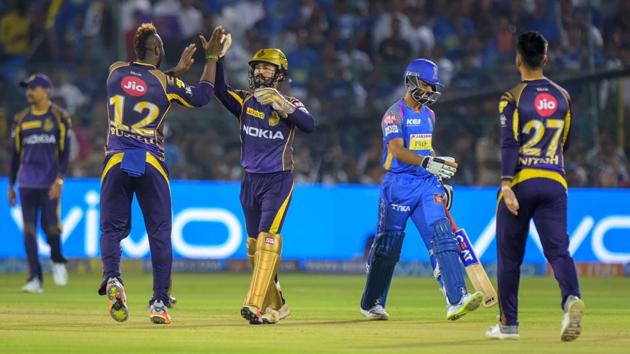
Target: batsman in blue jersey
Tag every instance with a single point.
(139, 96)
(412, 188)
(41, 150)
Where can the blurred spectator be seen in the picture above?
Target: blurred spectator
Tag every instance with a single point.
(346, 60)
(14, 40)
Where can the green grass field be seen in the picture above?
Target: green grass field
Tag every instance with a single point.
(325, 318)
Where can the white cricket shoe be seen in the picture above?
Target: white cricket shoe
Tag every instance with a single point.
(60, 274)
(499, 331)
(376, 313)
(33, 286)
(573, 312)
(468, 303)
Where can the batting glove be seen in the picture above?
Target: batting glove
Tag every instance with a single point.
(441, 166)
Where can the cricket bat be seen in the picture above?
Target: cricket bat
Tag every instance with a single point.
(474, 268)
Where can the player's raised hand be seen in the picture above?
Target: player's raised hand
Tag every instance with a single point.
(441, 166)
(511, 202)
(269, 95)
(185, 61)
(214, 46)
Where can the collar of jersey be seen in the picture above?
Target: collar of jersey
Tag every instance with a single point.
(143, 64)
(42, 112)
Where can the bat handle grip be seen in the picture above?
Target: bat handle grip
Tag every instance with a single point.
(451, 220)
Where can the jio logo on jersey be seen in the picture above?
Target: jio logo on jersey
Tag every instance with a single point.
(545, 104)
(133, 86)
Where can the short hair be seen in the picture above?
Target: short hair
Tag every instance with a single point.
(143, 33)
(532, 47)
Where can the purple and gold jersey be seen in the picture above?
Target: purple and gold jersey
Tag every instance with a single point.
(139, 95)
(535, 124)
(416, 130)
(266, 138)
(41, 146)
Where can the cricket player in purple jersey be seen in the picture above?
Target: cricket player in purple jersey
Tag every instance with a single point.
(139, 95)
(412, 189)
(535, 123)
(268, 122)
(41, 147)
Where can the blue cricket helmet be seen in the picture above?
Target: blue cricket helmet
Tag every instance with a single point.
(423, 70)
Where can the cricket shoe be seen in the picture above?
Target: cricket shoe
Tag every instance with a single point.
(158, 313)
(116, 300)
(33, 286)
(499, 331)
(60, 274)
(573, 312)
(468, 303)
(376, 313)
(254, 316)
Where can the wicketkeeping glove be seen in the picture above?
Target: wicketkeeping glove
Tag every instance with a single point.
(269, 95)
(441, 166)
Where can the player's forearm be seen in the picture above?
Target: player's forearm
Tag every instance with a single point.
(64, 159)
(400, 153)
(209, 71)
(509, 161)
(221, 91)
(304, 121)
(201, 94)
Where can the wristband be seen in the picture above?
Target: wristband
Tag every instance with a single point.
(210, 57)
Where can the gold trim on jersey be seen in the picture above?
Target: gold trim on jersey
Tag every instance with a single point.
(236, 97)
(275, 225)
(388, 161)
(530, 173)
(153, 161)
(34, 124)
(150, 159)
(113, 161)
(516, 93)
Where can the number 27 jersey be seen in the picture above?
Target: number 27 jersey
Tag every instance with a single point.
(139, 96)
(535, 123)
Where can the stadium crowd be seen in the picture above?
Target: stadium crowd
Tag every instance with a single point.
(346, 60)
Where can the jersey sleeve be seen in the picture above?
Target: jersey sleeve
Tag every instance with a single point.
(509, 136)
(16, 146)
(301, 117)
(188, 95)
(391, 124)
(233, 100)
(65, 133)
(568, 119)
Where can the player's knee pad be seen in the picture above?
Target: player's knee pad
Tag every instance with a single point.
(444, 248)
(266, 262)
(443, 238)
(387, 245)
